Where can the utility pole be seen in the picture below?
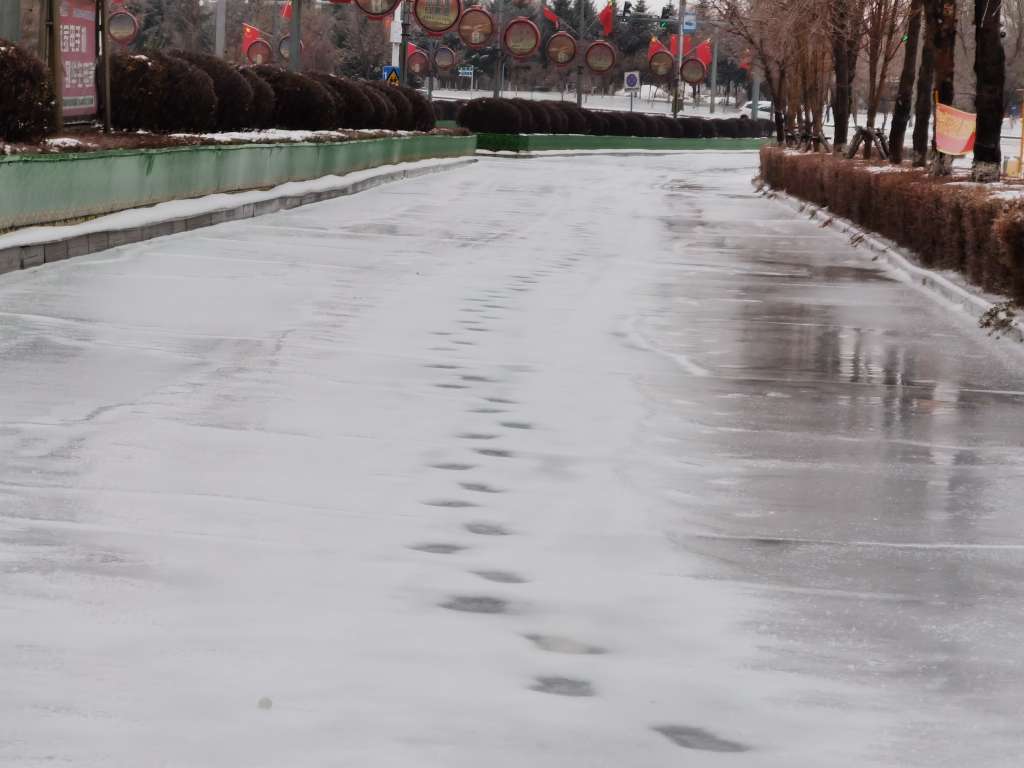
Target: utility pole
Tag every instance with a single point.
(677, 102)
(500, 42)
(104, 14)
(220, 28)
(295, 38)
(403, 47)
(56, 62)
(755, 98)
(582, 22)
(714, 66)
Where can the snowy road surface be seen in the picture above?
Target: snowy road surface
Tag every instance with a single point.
(556, 462)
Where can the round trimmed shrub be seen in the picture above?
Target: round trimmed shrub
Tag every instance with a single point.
(26, 97)
(403, 108)
(359, 110)
(300, 103)
(234, 94)
(652, 126)
(489, 115)
(691, 127)
(526, 124)
(135, 89)
(558, 120)
(726, 128)
(709, 129)
(334, 91)
(577, 121)
(597, 124)
(262, 113)
(616, 124)
(635, 124)
(385, 117)
(422, 111)
(539, 115)
(670, 128)
(188, 101)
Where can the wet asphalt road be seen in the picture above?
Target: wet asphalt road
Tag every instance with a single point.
(576, 462)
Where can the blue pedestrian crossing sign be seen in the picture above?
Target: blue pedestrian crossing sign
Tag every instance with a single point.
(391, 75)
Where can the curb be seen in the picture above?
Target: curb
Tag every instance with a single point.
(931, 283)
(46, 251)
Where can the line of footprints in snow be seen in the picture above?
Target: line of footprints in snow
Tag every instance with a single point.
(489, 306)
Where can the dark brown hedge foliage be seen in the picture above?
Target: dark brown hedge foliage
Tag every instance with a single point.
(422, 112)
(384, 113)
(135, 85)
(233, 91)
(948, 226)
(540, 116)
(300, 103)
(26, 98)
(615, 124)
(262, 113)
(577, 122)
(635, 124)
(558, 120)
(359, 110)
(526, 122)
(188, 101)
(709, 129)
(692, 127)
(403, 108)
(490, 116)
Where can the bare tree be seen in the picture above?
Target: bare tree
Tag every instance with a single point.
(990, 75)
(905, 92)
(883, 21)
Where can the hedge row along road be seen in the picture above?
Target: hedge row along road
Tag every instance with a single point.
(664, 476)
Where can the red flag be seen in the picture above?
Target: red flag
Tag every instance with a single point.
(552, 17)
(607, 18)
(745, 61)
(654, 46)
(673, 45)
(410, 49)
(250, 35)
(703, 53)
(286, 10)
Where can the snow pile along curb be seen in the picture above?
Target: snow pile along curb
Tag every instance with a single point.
(38, 245)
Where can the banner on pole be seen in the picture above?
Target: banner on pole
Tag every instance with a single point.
(78, 57)
(954, 130)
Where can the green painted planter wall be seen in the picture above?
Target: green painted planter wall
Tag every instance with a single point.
(41, 189)
(539, 142)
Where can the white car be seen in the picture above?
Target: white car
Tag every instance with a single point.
(762, 106)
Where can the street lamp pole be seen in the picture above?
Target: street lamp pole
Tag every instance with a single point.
(295, 38)
(499, 45)
(403, 50)
(582, 21)
(677, 102)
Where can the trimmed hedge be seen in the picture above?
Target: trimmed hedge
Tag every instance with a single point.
(300, 103)
(233, 91)
(161, 93)
(26, 97)
(262, 113)
(948, 225)
(491, 115)
(403, 107)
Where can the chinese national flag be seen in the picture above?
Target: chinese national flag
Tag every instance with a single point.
(250, 35)
(703, 53)
(654, 46)
(607, 18)
(551, 16)
(411, 49)
(286, 10)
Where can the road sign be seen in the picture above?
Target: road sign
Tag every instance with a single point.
(391, 75)
(689, 22)
(465, 71)
(631, 80)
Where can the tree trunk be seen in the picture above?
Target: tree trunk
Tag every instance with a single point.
(945, 51)
(989, 74)
(844, 74)
(901, 114)
(925, 80)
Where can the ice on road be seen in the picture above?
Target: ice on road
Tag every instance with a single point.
(578, 461)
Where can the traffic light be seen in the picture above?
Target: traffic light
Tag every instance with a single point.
(627, 8)
(666, 11)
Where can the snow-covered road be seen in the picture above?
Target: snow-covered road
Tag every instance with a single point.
(562, 462)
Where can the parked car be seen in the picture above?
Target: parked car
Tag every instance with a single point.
(762, 106)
